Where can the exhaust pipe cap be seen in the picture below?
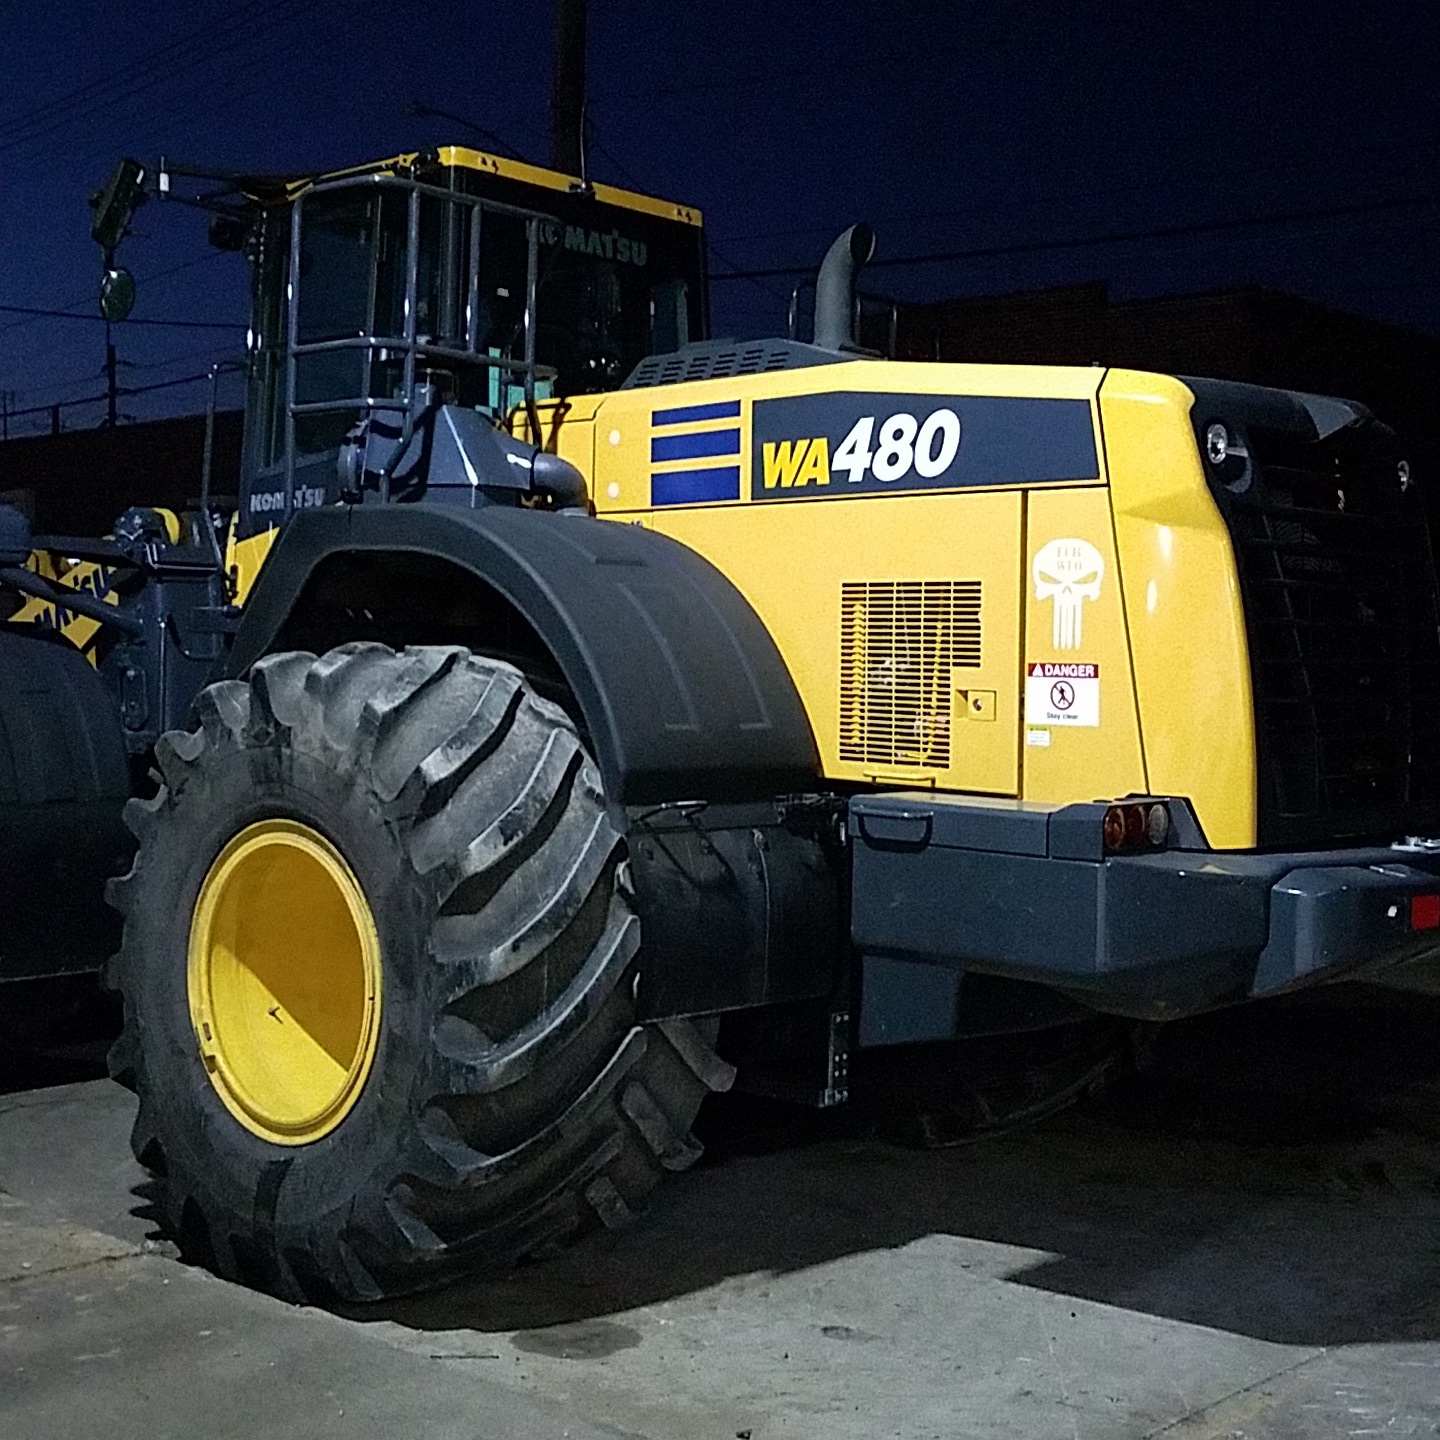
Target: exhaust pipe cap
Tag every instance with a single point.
(835, 287)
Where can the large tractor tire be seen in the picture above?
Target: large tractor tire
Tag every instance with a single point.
(379, 972)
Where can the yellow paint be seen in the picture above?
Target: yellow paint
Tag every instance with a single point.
(780, 461)
(1082, 762)
(284, 980)
(790, 561)
(796, 463)
(86, 578)
(461, 157)
(1166, 630)
(1187, 627)
(467, 159)
(244, 560)
(566, 428)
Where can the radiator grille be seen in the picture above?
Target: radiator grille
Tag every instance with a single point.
(1340, 608)
(899, 641)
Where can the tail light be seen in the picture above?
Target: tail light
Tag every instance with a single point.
(1424, 912)
(1135, 826)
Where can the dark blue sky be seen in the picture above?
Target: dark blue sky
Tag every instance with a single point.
(951, 127)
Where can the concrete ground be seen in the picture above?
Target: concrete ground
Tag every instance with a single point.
(1242, 1242)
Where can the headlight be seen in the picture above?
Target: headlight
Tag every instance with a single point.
(1217, 444)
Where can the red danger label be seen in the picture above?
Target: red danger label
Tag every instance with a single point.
(1048, 671)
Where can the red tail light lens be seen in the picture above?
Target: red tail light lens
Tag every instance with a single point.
(1135, 827)
(1425, 912)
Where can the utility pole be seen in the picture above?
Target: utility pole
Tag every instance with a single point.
(111, 388)
(567, 95)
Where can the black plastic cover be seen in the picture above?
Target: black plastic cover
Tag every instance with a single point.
(683, 691)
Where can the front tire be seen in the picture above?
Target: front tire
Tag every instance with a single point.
(506, 1099)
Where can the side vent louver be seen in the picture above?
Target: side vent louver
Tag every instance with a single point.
(726, 359)
(899, 642)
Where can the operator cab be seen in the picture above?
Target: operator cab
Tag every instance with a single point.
(459, 275)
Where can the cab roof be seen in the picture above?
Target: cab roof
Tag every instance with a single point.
(272, 190)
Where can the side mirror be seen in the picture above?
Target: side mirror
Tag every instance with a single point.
(117, 294)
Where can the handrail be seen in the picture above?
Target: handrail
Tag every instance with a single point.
(419, 187)
(409, 346)
(216, 370)
(422, 347)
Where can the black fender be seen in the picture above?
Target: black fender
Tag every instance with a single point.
(681, 687)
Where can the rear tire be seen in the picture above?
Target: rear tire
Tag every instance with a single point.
(513, 1101)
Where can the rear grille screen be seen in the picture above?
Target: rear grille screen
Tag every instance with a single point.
(1339, 593)
(899, 642)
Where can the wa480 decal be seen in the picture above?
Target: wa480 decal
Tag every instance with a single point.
(816, 447)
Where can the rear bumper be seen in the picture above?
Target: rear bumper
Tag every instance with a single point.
(1016, 889)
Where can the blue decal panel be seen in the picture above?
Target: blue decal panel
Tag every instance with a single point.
(697, 445)
(694, 414)
(819, 447)
(676, 437)
(695, 487)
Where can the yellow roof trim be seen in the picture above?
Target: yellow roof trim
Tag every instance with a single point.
(465, 158)
(554, 180)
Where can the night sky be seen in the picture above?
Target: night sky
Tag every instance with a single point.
(1020, 127)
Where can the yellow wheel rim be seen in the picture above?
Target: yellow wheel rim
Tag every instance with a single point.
(284, 982)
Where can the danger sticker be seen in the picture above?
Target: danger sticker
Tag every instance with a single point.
(1066, 693)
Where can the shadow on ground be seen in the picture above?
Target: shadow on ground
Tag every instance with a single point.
(1273, 1172)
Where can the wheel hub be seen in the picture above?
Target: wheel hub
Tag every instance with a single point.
(284, 982)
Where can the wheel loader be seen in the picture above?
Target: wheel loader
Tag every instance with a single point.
(573, 708)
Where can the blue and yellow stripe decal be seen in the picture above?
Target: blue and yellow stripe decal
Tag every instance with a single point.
(695, 460)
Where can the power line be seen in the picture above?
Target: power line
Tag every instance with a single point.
(628, 176)
(104, 395)
(216, 348)
(1162, 232)
(190, 50)
(167, 56)
(420, 110)
(40, 313)
(220, 348)
(75, 305)
(1427, 150)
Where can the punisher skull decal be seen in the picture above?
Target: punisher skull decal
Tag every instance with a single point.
(1068, 572)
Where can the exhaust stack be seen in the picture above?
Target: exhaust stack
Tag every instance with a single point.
(835, 288)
